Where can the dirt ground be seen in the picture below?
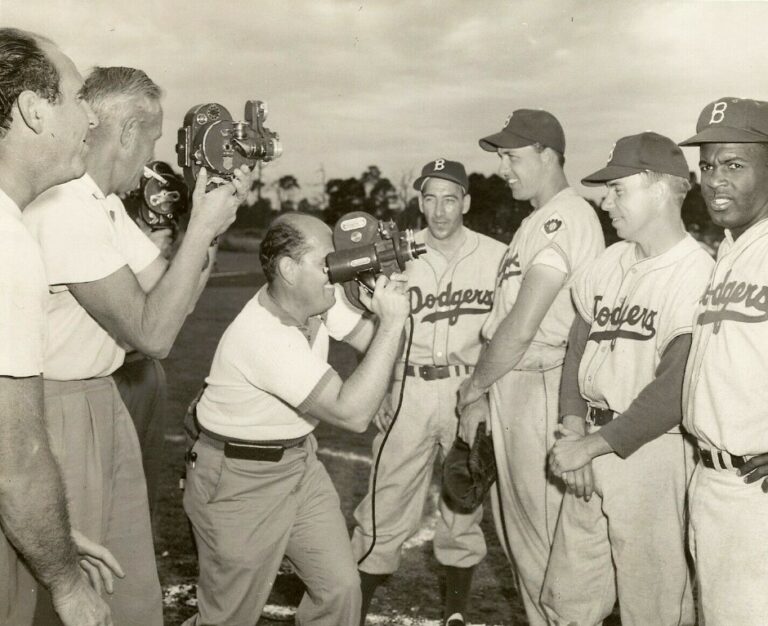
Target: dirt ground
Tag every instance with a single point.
(412, 596)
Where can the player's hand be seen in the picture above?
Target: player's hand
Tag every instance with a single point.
(79, 604)
(214, 211)
(97, 562)
(390, 301)
(468, 393)
(756, 469)
(479, 412)
(580, 482)
(569, 453)
(385, 414)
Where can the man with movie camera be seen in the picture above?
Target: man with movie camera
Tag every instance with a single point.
(255, 489)
(43, 128)
(110, 287)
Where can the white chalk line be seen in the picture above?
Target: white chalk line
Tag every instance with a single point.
(174, 595)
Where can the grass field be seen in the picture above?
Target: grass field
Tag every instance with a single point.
(412, 596)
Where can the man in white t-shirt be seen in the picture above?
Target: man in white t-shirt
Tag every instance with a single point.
(43, 126)
(255, 489)
(110, 288)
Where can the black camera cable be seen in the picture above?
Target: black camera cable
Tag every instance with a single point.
(384, 440)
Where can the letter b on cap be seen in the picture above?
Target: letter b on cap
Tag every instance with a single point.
(718, 112)
(439, 165)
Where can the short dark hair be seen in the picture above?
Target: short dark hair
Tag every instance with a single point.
(114, 92)
(281, 239)
(560, 156)
(23, 67)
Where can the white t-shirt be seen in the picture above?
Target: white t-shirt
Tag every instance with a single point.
(266, 369)
(23, 292)
(83, 237)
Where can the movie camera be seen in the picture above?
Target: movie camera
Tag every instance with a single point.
(161, 199)
(365, 248)
(210, 138)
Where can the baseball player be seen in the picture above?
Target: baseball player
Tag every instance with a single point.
(527, 330)
(626, 463)
(725, 393)
(451, 291)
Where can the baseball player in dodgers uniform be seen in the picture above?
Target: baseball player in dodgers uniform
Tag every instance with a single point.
(725, 396)
(527, 330)
(627, 465)
(451, 291)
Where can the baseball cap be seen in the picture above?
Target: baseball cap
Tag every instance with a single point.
(647, 151)
(731, 120)
(445, 169)
(526, 127)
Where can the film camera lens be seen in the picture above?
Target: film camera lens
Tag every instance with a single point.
(365, 248)
(210, 138)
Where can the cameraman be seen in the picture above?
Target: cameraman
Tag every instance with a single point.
(255, 488)
(110, 287)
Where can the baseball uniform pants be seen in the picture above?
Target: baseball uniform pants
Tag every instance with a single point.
(728, 541)
(426, 426)
(526, 500)
(246, 515)
(629, 537)
(94, 441)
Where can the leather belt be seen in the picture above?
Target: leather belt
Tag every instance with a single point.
(599, 416)
(271, 451)
(437, 372)
(720, 459)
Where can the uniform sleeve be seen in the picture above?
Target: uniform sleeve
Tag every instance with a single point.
(136, 248)
(657, 408)
(583, 292)
(571, 400)
(279, 361)
(22, 315)
(551, 236)
(77, 242)
(683, 302)
(343, 318)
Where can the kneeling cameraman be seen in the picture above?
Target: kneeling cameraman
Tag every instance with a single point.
(255, 488)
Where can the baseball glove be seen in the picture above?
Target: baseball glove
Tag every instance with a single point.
(468, 473)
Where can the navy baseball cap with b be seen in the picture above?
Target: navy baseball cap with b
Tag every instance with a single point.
(731, 120)
(445, 169)
(645, 152)
(526, 127)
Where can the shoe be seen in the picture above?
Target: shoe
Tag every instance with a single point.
(457, 619)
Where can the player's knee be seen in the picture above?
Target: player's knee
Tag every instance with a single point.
(345, 585)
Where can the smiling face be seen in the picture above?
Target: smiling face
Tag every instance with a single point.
(523, 169)
(734, 184)
(632, 206)
(69, 121)
(443, 204)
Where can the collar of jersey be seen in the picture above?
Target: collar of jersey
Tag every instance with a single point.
(88, 183)
(668, 257)
(9, 206)
(309, 330)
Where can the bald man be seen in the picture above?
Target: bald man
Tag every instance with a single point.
(255, 489)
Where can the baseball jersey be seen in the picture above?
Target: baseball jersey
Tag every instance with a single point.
(451, 299)
(84, 236)
(23, 292)
(635, 308)
(267, 369)
(565, 228)
(725, 394)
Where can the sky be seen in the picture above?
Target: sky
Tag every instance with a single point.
(397, 83)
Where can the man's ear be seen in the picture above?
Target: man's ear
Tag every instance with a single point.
(467, 201)
(128, 131)
(33, 110)
(287, 269)
(421, 204)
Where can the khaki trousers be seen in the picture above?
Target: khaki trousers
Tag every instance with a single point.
(246, 515)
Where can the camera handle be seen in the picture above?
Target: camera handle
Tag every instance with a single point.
(411, 324)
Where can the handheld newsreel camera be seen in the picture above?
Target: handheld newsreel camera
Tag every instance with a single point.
(366, 247)
(161, 199)
(210, 138)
